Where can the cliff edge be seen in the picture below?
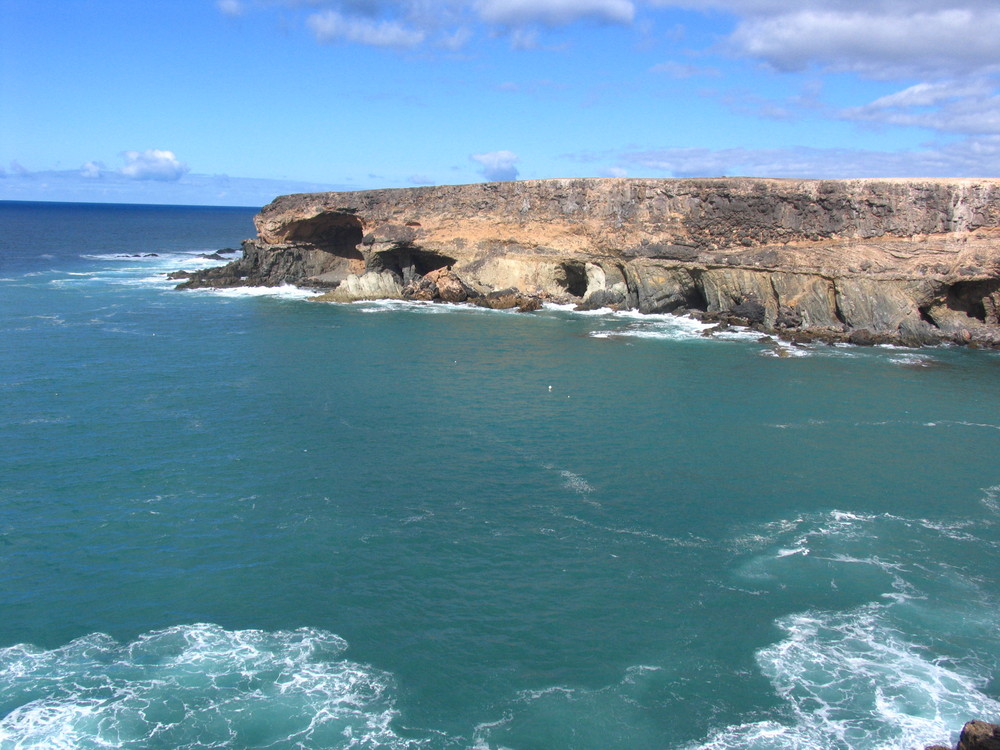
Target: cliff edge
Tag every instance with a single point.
(909, 260)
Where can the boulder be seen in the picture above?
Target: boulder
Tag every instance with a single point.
(368, 286)
(979, 735)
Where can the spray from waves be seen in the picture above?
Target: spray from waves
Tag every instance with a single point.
(850, 680)
(196, 686)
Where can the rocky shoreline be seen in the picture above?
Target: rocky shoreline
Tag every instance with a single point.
(865, 261)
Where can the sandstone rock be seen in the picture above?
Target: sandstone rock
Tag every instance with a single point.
(368, 286)
(448, 286)
(900, 258)
(508, 299)
(656, 287)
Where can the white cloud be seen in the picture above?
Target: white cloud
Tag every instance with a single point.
(497, 166)
(971, 107)
(446, 24)
(877, 38)
(332, 26)
(930, 94)
(230, 7)
(876, 44)
(684, 70)
(153, 164)
(971, 157)
(114, 187)
(91, 170)
(554, 12)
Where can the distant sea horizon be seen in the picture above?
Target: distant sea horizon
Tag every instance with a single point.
(238, 518)
(118, 204)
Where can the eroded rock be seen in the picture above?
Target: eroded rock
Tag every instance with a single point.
(902, 259)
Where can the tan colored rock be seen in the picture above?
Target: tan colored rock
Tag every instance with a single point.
(368, 286)
(896, 257)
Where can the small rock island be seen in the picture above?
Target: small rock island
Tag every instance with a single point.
(906, 260)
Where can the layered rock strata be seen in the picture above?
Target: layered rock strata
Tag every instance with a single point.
(876, 260)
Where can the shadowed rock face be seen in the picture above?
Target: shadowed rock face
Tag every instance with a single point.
(917, 259)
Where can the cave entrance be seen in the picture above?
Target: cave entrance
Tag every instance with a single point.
(977, 299)
(337, 233)
(410, 262)
(573, 278)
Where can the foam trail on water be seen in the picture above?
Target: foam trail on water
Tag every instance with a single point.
(851, 681)
(196, 686)
(862, 678)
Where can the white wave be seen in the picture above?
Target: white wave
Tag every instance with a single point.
(161, 256)
(840, 538)
(956, 423)
(575, 482)
(196, 686)
(691, 541)
(395, 305)
(780, 348)
(793, 551)
(991, 498)
(843, 526)
(285, 291)
(851, 681)
(913, 360)
(425, 307)
(663, 327)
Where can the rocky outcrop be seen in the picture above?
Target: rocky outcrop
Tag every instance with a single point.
(911, 260)
(976, 735)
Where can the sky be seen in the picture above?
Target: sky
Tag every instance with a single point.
(233, 102)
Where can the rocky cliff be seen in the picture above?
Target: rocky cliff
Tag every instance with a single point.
(912, 260)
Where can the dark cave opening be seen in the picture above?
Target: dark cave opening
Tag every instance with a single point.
(337, 233)
(409, 261)
(573, 278)
(971, 298)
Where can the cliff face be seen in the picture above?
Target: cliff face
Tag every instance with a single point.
(917, 259)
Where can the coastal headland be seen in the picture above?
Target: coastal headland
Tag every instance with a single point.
(908, 260)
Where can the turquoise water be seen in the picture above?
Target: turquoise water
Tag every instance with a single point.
(241, 519)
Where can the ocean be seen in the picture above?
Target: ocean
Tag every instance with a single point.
(241, 519)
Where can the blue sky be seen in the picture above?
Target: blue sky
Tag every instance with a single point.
(232, 102)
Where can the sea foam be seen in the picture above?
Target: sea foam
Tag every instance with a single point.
(196, 686)
(850, 680)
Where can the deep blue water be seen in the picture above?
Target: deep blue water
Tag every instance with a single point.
(243, 519)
